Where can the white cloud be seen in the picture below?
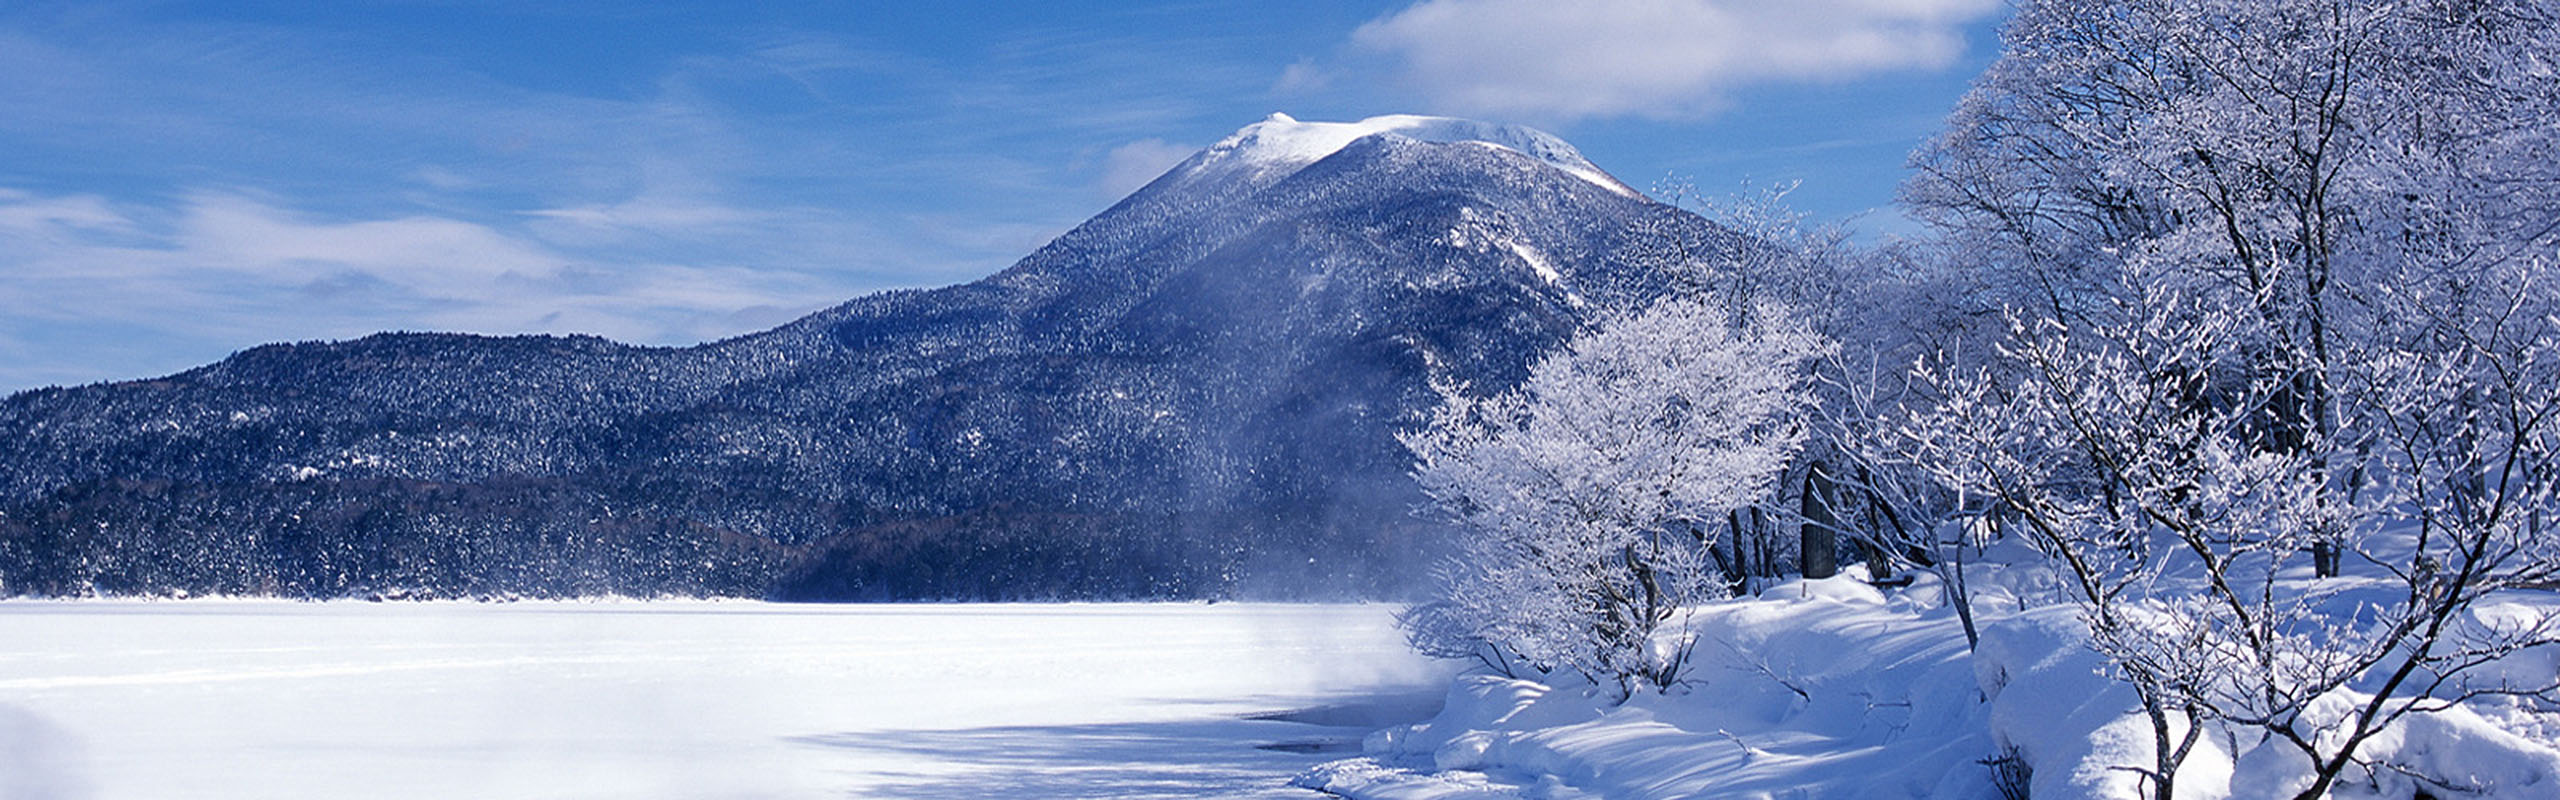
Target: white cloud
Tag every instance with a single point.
(429, 254)
(91, 290)
(1652, 58)
(651, 212)
(21, 211)
(1134, 165)
(436, 177)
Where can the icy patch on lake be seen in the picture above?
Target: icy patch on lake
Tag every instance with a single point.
(256, 699)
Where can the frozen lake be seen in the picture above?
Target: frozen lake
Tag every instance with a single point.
(256, 699)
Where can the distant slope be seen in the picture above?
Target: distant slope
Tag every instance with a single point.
(1191, 394)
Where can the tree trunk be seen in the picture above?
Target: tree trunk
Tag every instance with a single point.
(2324, 559)
(1953, 569)
(1912, 549)
(1821, 531)
(1738, 572)
(1879, 563)
(1766, 563)
(1879, 566)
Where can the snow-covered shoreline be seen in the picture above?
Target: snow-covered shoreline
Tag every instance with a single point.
(1833, 689)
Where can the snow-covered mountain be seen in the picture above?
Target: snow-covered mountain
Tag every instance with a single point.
(1192, 393)
(1280, 145)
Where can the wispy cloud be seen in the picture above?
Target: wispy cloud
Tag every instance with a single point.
(1642, 58)
(224, 270)
(1133, 165)
(23, 212)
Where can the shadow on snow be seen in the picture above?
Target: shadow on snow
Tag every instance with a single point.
(1252, 756)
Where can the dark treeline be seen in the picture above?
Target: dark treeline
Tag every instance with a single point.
(545, 538)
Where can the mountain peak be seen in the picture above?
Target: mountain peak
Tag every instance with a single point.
(1196, 393)
(1282, 144)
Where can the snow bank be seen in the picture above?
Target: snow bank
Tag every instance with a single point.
(1833, 689)
(2053, 707)
(1815, 689)
(2455, 752)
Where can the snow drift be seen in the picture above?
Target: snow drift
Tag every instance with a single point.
(1834, 689)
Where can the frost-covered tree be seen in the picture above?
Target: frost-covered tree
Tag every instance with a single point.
(2275, 268)
(1762, 250)
(2279, 156)
(1587, 496)
(2128, 456)
(2107, 452)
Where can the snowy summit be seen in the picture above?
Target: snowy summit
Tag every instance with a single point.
(1281, 144)
(1236, 345)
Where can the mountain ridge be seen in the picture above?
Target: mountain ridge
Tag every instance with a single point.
(1193, 388)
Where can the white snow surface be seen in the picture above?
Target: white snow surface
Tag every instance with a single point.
(1811, 689)
(1833, 689)
(631, 699)
(1281, 144)
(1888, 710)
(1536, 262)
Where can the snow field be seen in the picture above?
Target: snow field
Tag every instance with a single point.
(264, 699)
(1821, 689)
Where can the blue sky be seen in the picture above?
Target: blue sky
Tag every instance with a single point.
(182, 180)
